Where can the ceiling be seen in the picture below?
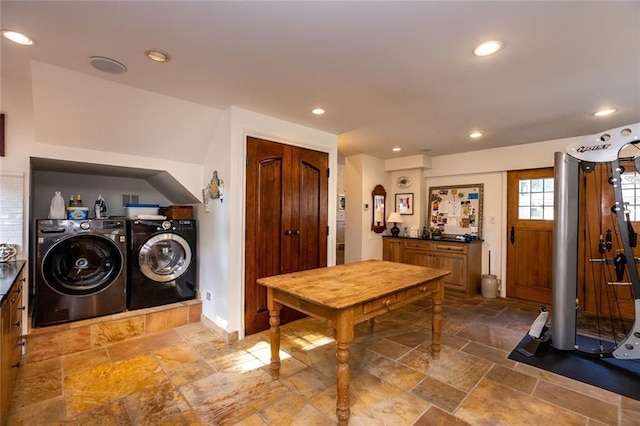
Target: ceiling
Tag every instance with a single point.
(388, 73)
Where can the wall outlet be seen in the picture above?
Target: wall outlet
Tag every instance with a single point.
(207, 296)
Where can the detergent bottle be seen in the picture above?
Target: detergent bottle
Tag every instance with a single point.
(57, 208)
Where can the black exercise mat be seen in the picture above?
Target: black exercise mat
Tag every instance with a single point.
(615, 375)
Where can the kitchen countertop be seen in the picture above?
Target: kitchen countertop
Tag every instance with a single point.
(9, 272)
(444, 239)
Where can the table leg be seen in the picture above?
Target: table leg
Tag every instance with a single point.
(436, 319)
(274, 334)
(370, 324)
(344, 336)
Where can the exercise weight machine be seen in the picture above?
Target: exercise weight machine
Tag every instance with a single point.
(602, 148)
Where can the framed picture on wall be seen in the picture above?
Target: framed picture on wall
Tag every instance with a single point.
(342, 202)
(404, 203)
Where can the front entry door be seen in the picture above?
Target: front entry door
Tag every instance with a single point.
(530, 234)
(286, 220)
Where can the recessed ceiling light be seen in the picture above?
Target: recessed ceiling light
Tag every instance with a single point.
(475, 135)
(396, 149)
(318, 111)
(18, 38)
(487, 48)
(604, 112)
(157, 55)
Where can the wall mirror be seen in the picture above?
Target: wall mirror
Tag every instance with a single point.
(379, 198)
(456, 210)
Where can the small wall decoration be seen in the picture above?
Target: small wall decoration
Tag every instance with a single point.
(216, 187)
(213, 191)
(404, 182)
(342, 202)
(404, 203)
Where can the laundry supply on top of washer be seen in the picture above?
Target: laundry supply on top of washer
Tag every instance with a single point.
(57, 210)
(100, 208)
(75, 200)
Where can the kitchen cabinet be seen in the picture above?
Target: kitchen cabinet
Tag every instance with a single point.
(463, 259)
(392, 250)
(11, 314)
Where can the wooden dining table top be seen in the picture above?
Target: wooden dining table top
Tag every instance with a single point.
(341, 286)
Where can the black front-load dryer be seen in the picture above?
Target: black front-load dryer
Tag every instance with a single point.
(80, 269)
(162, 262)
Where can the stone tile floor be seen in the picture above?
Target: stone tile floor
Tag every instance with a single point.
(188, 376)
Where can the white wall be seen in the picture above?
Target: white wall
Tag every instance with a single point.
(19, 136)
(417, 188)
(45, 183)
(517, 157)
(362, 174)
(214, 231)
(23, 103)
(77, 110)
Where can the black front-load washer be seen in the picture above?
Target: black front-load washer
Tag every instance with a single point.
(80, 269)
(162, 262)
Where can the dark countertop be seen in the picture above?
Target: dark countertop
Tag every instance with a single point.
(444, 239)
(9, 272)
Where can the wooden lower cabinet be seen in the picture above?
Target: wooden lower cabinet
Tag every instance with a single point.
(392, 250)
(464, 260)
(10, 343)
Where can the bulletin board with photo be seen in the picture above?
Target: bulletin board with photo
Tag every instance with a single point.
(457, 209)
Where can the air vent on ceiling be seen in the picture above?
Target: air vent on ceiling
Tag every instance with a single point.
(107, 65)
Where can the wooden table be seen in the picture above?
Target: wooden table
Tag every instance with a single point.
(347, 295)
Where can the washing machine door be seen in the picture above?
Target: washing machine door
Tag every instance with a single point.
(164, 257)
(82, 264)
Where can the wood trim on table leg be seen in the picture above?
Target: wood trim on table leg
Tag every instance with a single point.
(436, 318)
(274, 333)
(344, 335)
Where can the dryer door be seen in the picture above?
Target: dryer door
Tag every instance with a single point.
(164, 257)
(82, 265)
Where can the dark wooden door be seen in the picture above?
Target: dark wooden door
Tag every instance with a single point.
(530, 234)
(286, 220)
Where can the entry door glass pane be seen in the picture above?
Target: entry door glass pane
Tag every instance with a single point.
(535, 199)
